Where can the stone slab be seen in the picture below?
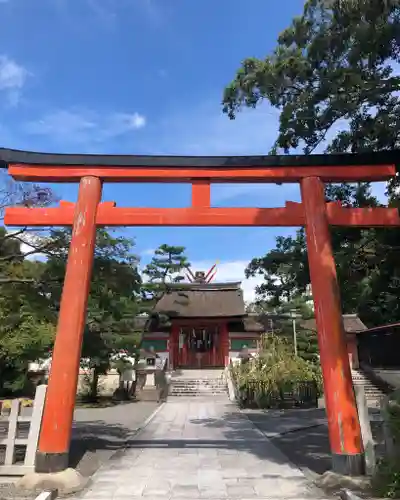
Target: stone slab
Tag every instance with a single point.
(201, 450)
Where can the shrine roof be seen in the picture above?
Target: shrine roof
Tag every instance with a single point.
(228, 285)
(13, 157)
(251, 324)
(352, 324)
(195, 300)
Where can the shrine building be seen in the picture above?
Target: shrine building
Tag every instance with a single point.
(202, 324)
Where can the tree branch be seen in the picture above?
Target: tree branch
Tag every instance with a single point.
(6, 281)
(37, 249)
(14, 235)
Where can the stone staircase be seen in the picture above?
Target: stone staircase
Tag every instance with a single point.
(373, 393)
(198, 384)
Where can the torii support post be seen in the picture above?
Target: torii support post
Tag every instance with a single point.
(55, 434)
(343, 424)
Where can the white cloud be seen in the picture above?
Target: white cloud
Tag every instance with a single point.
(120, 123)
(13, 77)
(85, 127)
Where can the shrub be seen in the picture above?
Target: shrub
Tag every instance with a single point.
(276, 366)
(386, 482)
(7, 403)
(26, 403)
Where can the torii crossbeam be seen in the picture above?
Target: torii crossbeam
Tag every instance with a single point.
(311, 172)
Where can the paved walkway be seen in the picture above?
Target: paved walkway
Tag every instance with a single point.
(196, 449)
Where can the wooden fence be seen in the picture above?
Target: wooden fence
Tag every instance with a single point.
(11, 442)
(291, 395)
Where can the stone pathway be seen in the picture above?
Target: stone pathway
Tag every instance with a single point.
(200, 449)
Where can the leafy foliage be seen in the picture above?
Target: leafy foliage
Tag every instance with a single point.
(30, 293)
(276, 366)
(367, 268)
(165, 267)
(332, 77)
(113, 300)
(284, 270)
(26, 320)
(334, 62)
(386, 482)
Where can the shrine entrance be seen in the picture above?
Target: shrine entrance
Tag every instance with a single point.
(314, 213)
(199, 347)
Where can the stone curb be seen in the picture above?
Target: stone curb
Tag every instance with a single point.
(346, 494)
(283, 433)
(308, 474)
(130, 436)
(290, 431)
(47, 495)
(145, 423)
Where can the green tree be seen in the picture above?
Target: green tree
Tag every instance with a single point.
(332, 79)
(166, 266)
(334, 62)
(366, 265)
(113, 300)
(26, 323)
(26, 320)
(284, 270)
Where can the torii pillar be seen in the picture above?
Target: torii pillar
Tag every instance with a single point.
(55, 434)
(341, 408)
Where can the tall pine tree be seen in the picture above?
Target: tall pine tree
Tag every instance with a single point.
(165, 267)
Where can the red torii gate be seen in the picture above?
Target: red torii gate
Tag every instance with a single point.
(88, 213)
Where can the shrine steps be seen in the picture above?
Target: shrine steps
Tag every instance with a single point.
(206, 383)
(373, 393)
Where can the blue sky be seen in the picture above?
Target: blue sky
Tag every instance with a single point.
(145, 77)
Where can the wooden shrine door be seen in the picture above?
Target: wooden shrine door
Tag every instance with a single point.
(199, 347)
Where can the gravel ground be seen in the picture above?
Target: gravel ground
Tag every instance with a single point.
(98, 433)
(302, 435)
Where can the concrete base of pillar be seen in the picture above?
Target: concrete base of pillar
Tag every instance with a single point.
(348, 465)
(66, 482)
